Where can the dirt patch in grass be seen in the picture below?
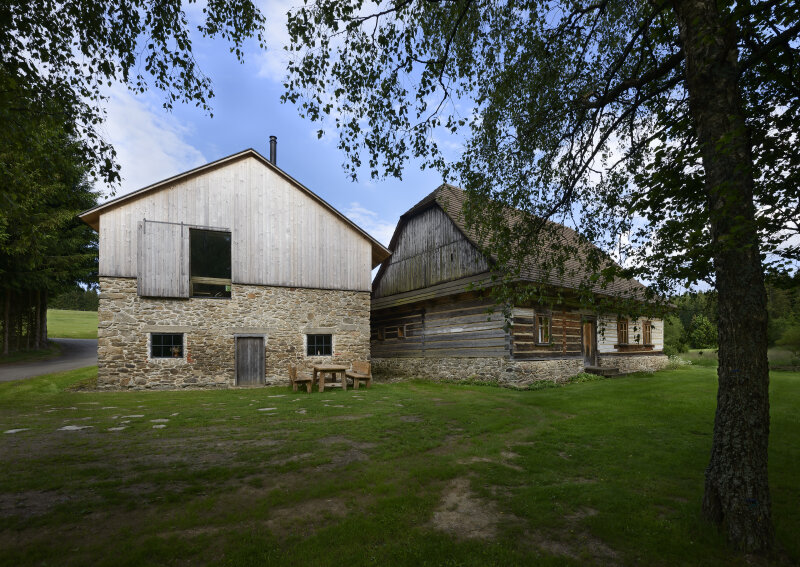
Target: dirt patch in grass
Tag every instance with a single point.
(306, 517)
(340, 460)
(410, 418)
(574, 541)
(32, 503)
(342, 440)
(450, 444)
(290, 459)
(464, 515)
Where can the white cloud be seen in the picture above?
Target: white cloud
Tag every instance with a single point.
(151, 144)
(272, 62)
(378, 228)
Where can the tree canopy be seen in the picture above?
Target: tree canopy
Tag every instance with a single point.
(662, 132)
(574, 111)
(62, 54)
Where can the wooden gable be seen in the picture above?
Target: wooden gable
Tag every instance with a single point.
(282, 234)
(427, 249)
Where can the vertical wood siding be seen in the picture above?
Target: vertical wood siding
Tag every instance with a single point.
(280, 235)
(429, 250)
(454, 326)
(163, 259)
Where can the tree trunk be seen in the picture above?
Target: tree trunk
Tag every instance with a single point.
(37, 320)
(736, 489)
(6, 322)
(29, 322)
(43, 319)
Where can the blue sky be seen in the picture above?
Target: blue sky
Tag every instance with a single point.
(152, 144)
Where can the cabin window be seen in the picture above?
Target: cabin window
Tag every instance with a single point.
(647, 337)
(319, 345)
(166, 345)
(543, 330)
(622, 331)
(401, 332)
(210, 263)
(380, 333)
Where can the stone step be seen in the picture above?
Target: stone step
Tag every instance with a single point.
(603, 371)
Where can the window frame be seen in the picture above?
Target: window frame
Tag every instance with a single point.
(203, 280)
(151, 346)
(623, 331)
(537, 327)
(647, 333)
(308, 343)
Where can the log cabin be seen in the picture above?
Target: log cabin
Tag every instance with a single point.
(223, 275)
(431, 312)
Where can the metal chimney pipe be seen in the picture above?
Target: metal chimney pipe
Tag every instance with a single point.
(273, 150)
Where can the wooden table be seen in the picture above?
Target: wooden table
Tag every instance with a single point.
(333, 369)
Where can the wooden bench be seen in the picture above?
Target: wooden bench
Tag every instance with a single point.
(296, 379)
(360, 373)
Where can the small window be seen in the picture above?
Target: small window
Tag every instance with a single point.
(647, 336)
(319, 345)
(210, 263)
(622, 331)
(380, 333)
(543, 329)
(401, 332)
(164, 345)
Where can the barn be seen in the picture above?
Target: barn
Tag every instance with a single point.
(431, 312)
(225, 274)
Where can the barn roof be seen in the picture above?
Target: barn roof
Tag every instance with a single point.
(451, 200)
(92, 216)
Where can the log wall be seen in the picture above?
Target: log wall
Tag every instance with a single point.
(565, 333)
(455, 326)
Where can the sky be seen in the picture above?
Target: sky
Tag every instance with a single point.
(153, 144)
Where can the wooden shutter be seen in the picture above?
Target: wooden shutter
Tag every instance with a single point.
(163, 259)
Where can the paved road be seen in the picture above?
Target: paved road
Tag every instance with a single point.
(75, 353)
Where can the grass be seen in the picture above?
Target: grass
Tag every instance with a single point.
(416, 473)
(65, 324)
(701, 357)
(778, 357)
(51, 351)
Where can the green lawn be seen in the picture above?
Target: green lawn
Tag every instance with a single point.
(417, 473)
(778, 357)
(63, 324)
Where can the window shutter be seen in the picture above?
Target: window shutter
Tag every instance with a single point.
(163, 259)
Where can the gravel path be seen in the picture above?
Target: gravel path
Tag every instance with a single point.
(75, 353)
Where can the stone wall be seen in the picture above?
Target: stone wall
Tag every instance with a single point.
(634, 362)
(282, 315)
(504, 371)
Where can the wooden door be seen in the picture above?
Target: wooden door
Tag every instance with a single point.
(249, 361)
(589, 343)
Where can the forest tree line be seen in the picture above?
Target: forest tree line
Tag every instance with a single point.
(693, 322)
(44, 248)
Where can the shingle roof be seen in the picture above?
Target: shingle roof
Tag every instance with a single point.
(451, 199)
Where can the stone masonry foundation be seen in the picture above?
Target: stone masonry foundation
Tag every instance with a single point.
(503, 371)
(634, 363)
(506, 372)
(282, 315)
